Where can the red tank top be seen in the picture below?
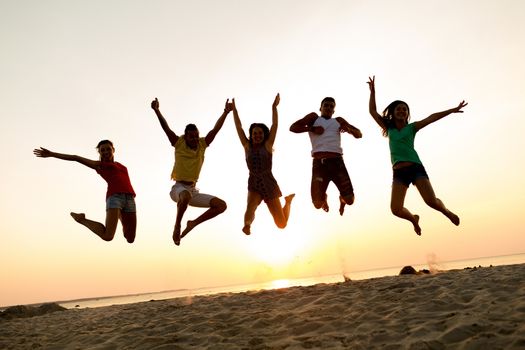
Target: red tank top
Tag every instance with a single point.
(116, 175)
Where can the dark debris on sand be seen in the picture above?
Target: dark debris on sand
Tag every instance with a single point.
(409, 270)
(22, 311)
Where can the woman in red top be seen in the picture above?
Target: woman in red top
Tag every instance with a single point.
(120, 197)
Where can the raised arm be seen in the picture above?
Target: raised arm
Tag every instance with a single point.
(437, 116)
(372, 108)
(45, 153)
(218, 125)
(275, 122)
(306, 124)
(349, 128)
(238, 125)
(163, 123)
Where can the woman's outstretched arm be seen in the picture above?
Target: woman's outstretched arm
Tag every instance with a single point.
(372, 108)
(437, 116)
(275, 122)
(238, 125)
(45, 153)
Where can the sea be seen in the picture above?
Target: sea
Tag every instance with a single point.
(284, 283)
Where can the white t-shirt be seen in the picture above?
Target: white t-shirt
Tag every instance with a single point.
(330, 139)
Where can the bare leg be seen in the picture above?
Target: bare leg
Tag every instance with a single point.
(346, 200)
(105, 232)
(129, 225)
(342, 204)
(280, 214)
(253, 201)
(322, 204)
(182, 205)
(427, 192)
(397, 206)
(287, 205)
(217, 206)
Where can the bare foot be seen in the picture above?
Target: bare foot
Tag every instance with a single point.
(246, 230)
(325, 206)
(189, 226)
(342, 204)
(453, 217)
(78, 217)
(176, 235)
(288, 198)
(416, 225)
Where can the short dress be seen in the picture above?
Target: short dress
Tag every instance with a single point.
(261, 179)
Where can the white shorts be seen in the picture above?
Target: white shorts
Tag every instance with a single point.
(198, 199)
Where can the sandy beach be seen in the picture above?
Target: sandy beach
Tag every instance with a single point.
(472, 308)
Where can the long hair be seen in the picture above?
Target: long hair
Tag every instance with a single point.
(104, 142)
(264, 128)
(388, 115)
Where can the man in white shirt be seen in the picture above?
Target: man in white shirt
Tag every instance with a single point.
(328, 164)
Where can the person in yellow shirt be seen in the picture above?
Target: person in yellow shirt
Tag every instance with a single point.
(189, 156)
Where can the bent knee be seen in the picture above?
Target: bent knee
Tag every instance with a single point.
(109, 234)
(349, 200)
(107, 237)
(130, 237)
(396, 210)
(281, 224)
(433, 203)
(219, 205)
(318, 204)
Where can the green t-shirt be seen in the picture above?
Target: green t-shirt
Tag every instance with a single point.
(401, 144)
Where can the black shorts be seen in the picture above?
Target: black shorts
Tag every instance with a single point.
(326, 170)
(409, 174)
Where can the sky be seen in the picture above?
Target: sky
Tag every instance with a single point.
(76, 72)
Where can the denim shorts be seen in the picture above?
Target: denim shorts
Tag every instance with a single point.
(122, 201)
(409, 174)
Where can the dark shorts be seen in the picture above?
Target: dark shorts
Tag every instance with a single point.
(409, 174)
(326, 170)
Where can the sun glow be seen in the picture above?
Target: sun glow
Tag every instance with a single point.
(282, 283)
(273, 251)
(273, 246)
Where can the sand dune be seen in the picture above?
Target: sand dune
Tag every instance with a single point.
(481, 308)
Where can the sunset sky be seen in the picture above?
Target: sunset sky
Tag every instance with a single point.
(76, 72)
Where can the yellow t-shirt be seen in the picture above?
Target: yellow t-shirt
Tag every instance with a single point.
(188, 162)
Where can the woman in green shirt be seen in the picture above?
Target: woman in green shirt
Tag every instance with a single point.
(406, 165)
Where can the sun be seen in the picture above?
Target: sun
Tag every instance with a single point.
(278, 284)
(273, 246)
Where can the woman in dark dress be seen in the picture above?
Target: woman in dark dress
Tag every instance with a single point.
(261, 183)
